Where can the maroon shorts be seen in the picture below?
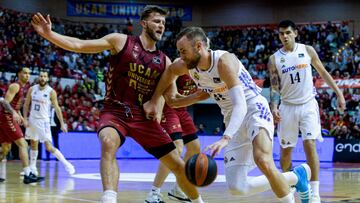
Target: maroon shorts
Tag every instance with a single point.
(170, 121)
(149, 134)
(187, 124)
(10, 130)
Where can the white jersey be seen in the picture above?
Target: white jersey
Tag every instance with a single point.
(294, 68)
(40, 103)
(209, 81)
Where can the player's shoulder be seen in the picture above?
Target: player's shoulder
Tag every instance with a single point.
(14, 86)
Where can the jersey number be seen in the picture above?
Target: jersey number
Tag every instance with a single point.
(37, 107)
(295, 78)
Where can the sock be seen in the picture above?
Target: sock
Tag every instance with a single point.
(198, 200)
(60, 156)
(27, 171)
(109, 196)
(289, 198)
(33, 158)
(291, 178)
(315, 187)
(155, 189)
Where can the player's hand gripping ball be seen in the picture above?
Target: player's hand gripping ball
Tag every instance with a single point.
(201, 170)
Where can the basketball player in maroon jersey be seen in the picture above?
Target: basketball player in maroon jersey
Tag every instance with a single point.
(181, 128)
(135, 69)
(11, 131)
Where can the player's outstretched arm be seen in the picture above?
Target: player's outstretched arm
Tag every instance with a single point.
(167, 78)
(42, 25)
(228, 68)
(275, 89)
(177, 100)
(315, 61)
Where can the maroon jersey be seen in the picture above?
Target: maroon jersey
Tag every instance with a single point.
(134, 73)
(18, 99)
(185, 86)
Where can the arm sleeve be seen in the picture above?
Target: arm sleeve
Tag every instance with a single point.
(239, 110)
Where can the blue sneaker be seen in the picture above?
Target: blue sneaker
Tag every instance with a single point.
(303, 173)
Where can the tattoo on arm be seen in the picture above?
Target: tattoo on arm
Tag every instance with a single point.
(275, 85)
(7, 106)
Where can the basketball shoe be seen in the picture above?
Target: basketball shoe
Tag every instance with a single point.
(303, 173)
(177, 194)
(154, 197)
(70, 168)
(31, 178)
(315, 199)
(33, 170)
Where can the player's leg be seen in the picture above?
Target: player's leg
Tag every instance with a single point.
(33, 155)
(288, 131)
(110, 142)
(285, 158)
(174, 162)
(29, 177)
(5, 148)
(161, 174)
(192, 145)
(68, 166)
(262, 152)
(310, 128)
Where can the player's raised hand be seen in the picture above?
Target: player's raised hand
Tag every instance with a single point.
(41, 25)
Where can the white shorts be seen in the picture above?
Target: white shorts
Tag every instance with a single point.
(39, 130)
(240, 150)
(303, 118)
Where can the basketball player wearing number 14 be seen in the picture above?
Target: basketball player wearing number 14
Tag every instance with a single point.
(291, 79)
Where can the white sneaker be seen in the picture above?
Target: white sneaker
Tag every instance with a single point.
(154, 197)
(22, 173)
(33, 170)
(70, 169)
(176, 194)
(315, 199)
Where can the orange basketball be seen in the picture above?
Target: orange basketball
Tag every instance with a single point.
(201, 170)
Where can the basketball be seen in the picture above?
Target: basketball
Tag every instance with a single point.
(201, 170)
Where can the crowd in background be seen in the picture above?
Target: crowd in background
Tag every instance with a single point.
(21, 46)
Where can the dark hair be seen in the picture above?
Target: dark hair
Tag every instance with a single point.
(152, 9)
(286, 24)
(44, 71)
(18, 70)
(193, 32)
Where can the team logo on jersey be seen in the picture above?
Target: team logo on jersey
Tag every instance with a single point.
(282, 60)
(135, 54)
(156, 60)
(196, 76)
(45, 95)
(216, 80)
(301, 55)
(136, 48)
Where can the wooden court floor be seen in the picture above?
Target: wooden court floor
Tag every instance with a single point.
(339, 183)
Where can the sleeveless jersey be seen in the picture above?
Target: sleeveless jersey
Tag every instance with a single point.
(133, 74)
(209, 81)
(185, 86)
(40, 103)
(18, 99)
(296, 81)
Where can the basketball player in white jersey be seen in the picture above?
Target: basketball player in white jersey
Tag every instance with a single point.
(249, 124)
(41, 97)
(292, 83)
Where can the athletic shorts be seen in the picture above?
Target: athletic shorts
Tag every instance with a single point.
(39, 130)
(240, 150)
(170, 121)
(10, 130)
(148, 133)
(303, 118)
(187, 125)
